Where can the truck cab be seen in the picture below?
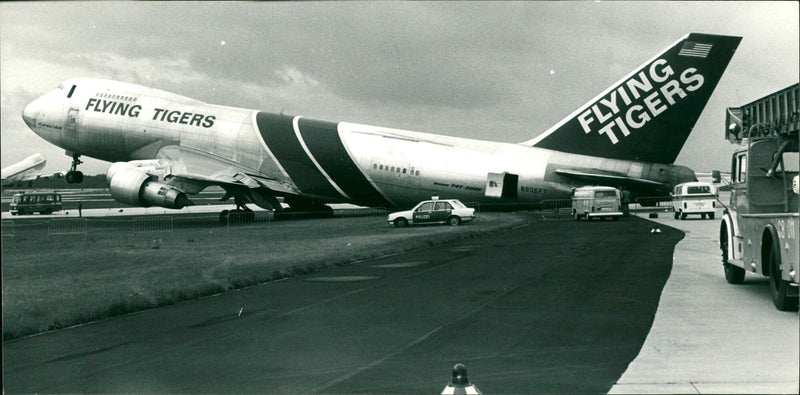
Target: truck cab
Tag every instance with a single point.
(760, 229)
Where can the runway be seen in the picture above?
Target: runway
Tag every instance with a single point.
(553, 306)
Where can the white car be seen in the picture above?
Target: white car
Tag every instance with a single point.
(436, 211)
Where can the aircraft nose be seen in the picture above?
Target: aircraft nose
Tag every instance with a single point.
(30, 112)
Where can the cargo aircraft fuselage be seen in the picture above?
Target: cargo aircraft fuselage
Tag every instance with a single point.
(165, 146)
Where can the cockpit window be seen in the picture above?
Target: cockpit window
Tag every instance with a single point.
(70, 91)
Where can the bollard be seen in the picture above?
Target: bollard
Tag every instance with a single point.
(460, 382)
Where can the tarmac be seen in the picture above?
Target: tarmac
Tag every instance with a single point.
(712, 337)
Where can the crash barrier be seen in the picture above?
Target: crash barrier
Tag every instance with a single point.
(8, 228)
(651, 204)
(360, 212)
(66, 226)
(557, 208)
(248, 219)
(155, 223)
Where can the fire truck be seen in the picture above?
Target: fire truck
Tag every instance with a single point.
(759, 229)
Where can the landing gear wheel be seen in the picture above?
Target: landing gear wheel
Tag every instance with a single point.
(702, 215)
(453, 221)
(683, 216)
(74, 177)
(779, 287)
(223, 217)
(676, 214)
(710, 215)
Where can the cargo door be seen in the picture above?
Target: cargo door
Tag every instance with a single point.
(502, 185)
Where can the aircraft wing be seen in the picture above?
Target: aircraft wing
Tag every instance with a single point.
(191, 171)
(610, 179)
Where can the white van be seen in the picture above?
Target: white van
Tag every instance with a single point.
(694, 198)
(591, 202)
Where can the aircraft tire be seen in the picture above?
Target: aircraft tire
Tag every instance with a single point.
(453, 221)
(710, 215)
(683, 216)
(676, 214)
(779, 287)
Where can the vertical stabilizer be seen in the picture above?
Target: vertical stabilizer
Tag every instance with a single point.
(648, 115)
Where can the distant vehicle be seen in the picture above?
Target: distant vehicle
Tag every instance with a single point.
(35, 202)
(596, 202)
(760, 229)
(694, 198)
(435, 211)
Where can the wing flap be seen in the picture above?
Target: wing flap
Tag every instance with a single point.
(611, 179)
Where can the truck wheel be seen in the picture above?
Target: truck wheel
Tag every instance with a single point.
(778, 286)
(453, 221)
(400, 223)
(733, 274)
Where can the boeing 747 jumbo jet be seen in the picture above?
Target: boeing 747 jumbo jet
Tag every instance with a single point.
(166, 146)
(23, 170)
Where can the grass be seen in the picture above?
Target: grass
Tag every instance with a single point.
(51, 282)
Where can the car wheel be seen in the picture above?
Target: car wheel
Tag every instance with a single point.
(46, 211)
(400, 223)
(778, 287)
(453, 221)
(733, 274)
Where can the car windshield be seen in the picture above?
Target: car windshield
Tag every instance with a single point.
(605, 194)
(698, 189)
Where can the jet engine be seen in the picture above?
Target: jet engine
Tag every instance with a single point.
(130, 185)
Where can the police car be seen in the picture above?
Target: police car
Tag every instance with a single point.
(435, 211)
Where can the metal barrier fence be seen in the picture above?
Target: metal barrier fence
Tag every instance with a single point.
(248, 219)
(557, 208)
(152, 224)
(360, 212)
(8, 228)
(66, 226)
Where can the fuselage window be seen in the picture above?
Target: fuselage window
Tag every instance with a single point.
(71, 90)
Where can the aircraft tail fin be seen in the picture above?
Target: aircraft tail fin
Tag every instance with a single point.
(648, 115)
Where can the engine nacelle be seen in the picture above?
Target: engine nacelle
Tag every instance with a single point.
(132, 186)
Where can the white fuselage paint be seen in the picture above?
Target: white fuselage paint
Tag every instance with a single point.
(211, 140)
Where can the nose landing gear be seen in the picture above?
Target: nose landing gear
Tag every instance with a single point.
(73, 175)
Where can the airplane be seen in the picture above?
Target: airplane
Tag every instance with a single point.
(25, 170)
(166, 146)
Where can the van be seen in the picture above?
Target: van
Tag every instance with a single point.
(35, 202)
(592, 202)
(694, 198)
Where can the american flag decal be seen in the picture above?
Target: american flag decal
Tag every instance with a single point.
(697, 50)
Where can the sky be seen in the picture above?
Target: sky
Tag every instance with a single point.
(500, 71)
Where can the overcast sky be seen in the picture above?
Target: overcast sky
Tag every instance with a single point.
(486, 70)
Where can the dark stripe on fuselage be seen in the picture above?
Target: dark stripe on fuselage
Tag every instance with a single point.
(278, 132)
(323, 141)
